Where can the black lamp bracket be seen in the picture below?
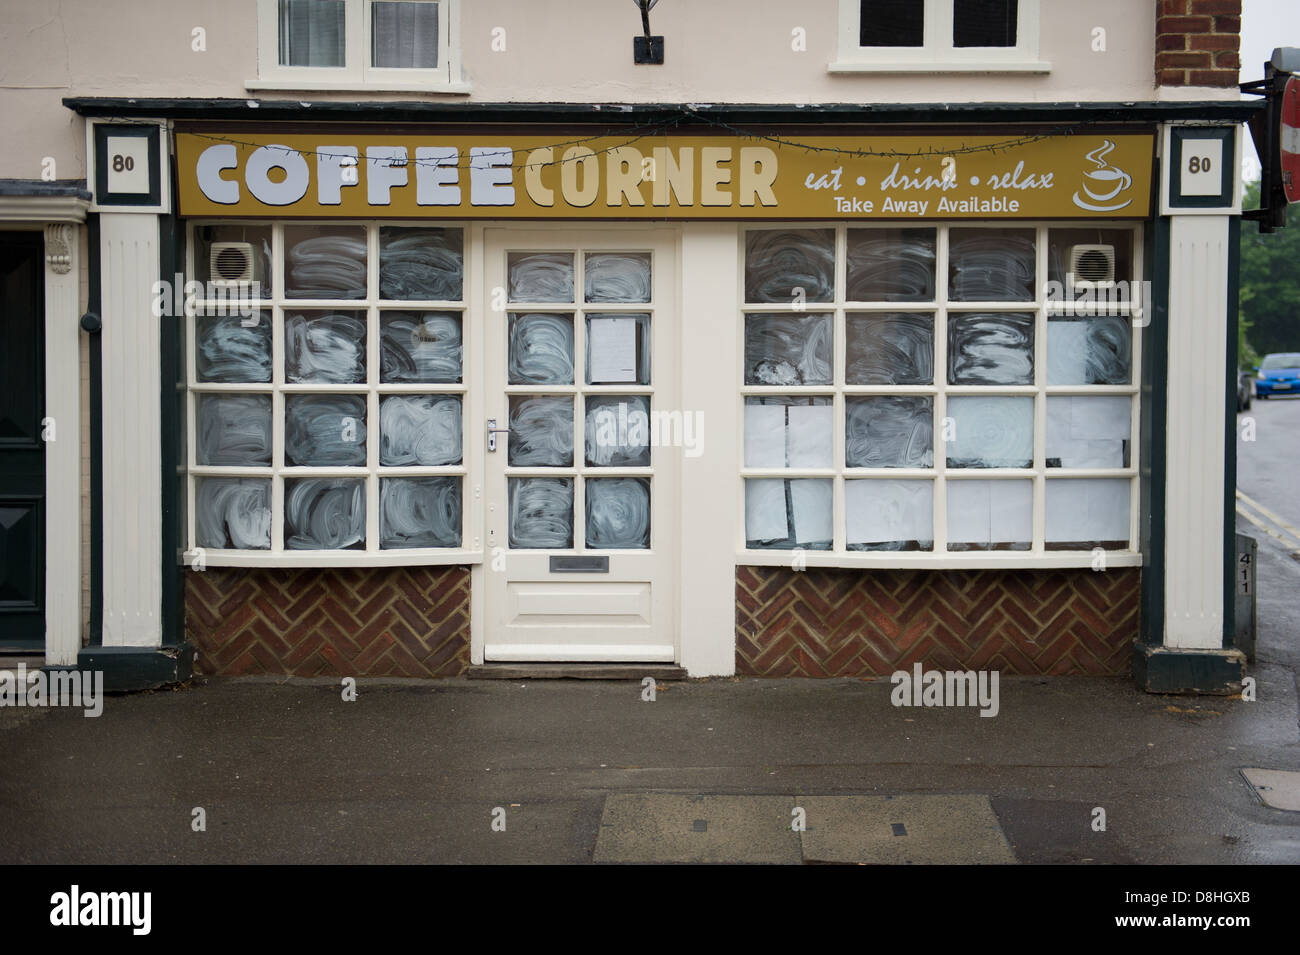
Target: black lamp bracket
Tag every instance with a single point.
(647, 48)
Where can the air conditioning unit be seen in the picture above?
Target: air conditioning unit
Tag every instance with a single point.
(233, 263)
(1090, 266)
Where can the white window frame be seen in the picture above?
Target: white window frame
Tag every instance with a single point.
(469, 390)
(1038, 556)
(357, 73)
(938, 55)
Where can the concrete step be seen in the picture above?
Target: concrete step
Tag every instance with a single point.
(575, 671)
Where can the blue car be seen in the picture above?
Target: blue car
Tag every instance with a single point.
(1279, 374)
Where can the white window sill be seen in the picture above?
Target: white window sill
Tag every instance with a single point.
(350, 558)
(459, 88)
(919, 560)
(933, 67)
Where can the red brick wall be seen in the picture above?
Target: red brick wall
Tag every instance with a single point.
(871, 623)
(1197, 42)
(383, 621)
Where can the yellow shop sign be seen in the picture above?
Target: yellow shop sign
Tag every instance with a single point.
(665, 176)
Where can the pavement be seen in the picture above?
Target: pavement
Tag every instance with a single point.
(1071, 770)
(418, 772)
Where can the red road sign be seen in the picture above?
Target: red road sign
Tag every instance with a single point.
(1289, 138)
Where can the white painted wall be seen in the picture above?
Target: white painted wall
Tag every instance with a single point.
(708, 270)
(556, 50)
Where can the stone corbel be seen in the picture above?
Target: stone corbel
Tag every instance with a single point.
(58, 246)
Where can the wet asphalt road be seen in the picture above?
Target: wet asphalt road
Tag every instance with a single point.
(1268, 473)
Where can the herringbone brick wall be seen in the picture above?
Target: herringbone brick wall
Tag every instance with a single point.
(871, 623)
(382, 621)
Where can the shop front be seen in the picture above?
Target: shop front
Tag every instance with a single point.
(779, 400)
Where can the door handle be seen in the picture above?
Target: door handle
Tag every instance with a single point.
(493, 431)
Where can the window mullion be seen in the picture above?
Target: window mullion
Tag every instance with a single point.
(938, 26)
(941, 394)
(1037, 542)
(356, 49)
(277, 388)
(839, 428)
(372, 395)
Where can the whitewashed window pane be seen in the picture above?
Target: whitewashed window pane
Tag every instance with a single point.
(789, 432)
(991, 265)
(540, 276)
(617, 431)
(889, 515)
(312, 33)
(990, 515)
(421, 264)
(541, 431)
(618, 513)
(787, 514)
(540, 349)
(790, 265)
(419, 512)
(1089, 351)
(404, 35)
(325, 262)
(325, 347)
(993, 432)
(233, 513)
(324, 430)
(889, 431)
(890, 265)
(422, 347)
(541, 512)
(234, 430)
(419, 430)
(1088, 432)
(617, 277)
(991, 348)
(233, 348)
(788, 349)
(618, 348)
(889, 348)
(1087, 512)
(324, 514)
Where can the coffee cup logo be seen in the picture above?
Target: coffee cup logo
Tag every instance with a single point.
(1103, 186)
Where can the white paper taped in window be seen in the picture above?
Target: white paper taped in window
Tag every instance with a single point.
(1087, 510)
(765, 513)
(990, 512)
(880, 512)
(613, 350)
(810, 439)
(810, 501)
(764, 436)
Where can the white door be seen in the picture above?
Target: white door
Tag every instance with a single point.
(581, 498)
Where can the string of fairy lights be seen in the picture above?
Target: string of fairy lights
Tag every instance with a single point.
(584, 147)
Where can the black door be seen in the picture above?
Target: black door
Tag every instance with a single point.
(22, 447)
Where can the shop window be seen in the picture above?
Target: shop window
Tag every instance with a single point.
(938, 35)
(327, 411)
(357, 44)
(945, 393)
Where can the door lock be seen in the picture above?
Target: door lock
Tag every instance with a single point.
(493, 431)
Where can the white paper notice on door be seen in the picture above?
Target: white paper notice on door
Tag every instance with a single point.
(613, 350)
